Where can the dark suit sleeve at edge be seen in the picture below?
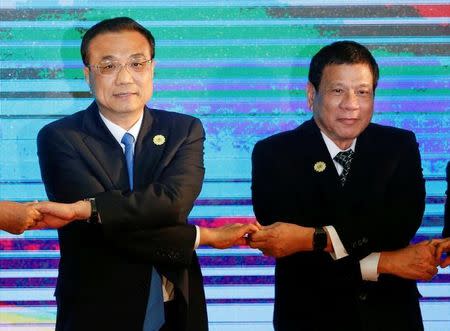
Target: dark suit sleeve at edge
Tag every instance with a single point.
(264, 188)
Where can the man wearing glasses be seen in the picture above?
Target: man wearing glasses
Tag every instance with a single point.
(131, 175)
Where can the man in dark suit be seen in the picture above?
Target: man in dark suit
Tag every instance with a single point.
(340, 198)
(140, 171)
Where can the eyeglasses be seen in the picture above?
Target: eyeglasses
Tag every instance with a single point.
(113, 67)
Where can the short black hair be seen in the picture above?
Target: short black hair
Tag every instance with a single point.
(116, 24)
(341, 52)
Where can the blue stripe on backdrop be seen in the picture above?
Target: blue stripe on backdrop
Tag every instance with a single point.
(244, 85)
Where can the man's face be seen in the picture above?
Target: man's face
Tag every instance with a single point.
(343, 106)
(122, 94)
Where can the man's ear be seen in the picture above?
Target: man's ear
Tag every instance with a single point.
(310, 94)
(152, 68)
(86, 72)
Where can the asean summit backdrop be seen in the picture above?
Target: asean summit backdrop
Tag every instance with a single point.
(241, 67)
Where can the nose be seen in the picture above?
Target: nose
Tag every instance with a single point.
(350, 101)
(123, 76)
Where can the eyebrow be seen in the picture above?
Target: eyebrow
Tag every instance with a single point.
(113, 58)
(343, 84)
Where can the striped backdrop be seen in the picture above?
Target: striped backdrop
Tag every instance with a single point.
(241, 67)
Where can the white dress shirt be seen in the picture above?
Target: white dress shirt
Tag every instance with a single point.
(118, 132)
(369, 264)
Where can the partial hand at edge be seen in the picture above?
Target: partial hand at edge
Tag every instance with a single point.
(16, 217)
(442, 246)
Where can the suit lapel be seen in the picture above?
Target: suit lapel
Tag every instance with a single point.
(150, 145)
(318, 163)
(107, 161)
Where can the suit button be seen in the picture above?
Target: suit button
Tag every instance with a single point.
(363, 296)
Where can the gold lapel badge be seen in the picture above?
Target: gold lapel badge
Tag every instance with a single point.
(319, 166)
(159, 139)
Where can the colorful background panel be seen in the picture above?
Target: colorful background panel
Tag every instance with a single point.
(241, 67)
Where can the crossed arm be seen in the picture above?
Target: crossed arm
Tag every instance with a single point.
(280, 238)
(56, 215)
(416, 261)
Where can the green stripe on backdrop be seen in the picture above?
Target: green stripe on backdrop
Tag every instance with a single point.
(170, 33)
(155, 13)
(215, 52)
(236, 94)
(149, 13)
(225, 72)
(146, 14)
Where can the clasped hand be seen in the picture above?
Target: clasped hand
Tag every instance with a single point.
(16, 217)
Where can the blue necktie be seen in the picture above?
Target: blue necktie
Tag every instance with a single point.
(154, 316)
(128, 141)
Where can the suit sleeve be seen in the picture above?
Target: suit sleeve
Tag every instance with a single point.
(394, 217)
(169, 199)
(267, 193)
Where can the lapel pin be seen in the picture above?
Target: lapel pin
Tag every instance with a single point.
(319, 166)
(159, 139)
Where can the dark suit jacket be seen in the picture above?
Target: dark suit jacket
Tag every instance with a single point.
(105, 269)
(379, 208)
(446, 230)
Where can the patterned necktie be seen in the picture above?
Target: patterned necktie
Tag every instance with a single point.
(154, 316)
(345, 160)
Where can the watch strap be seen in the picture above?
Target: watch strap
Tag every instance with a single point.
(93, 219)
(319, 239)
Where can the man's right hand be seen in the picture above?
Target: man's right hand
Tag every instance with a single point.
(413, 262)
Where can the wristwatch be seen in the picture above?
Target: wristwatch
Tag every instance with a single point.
(93, 219)
(319, 239)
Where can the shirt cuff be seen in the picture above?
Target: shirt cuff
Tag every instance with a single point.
(197, 237)
(339, 250)
(369, 267)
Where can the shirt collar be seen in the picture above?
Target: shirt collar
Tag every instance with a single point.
(118, 131)
(333, 149)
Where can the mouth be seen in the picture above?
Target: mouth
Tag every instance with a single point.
(348, 121)
(124, 94)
